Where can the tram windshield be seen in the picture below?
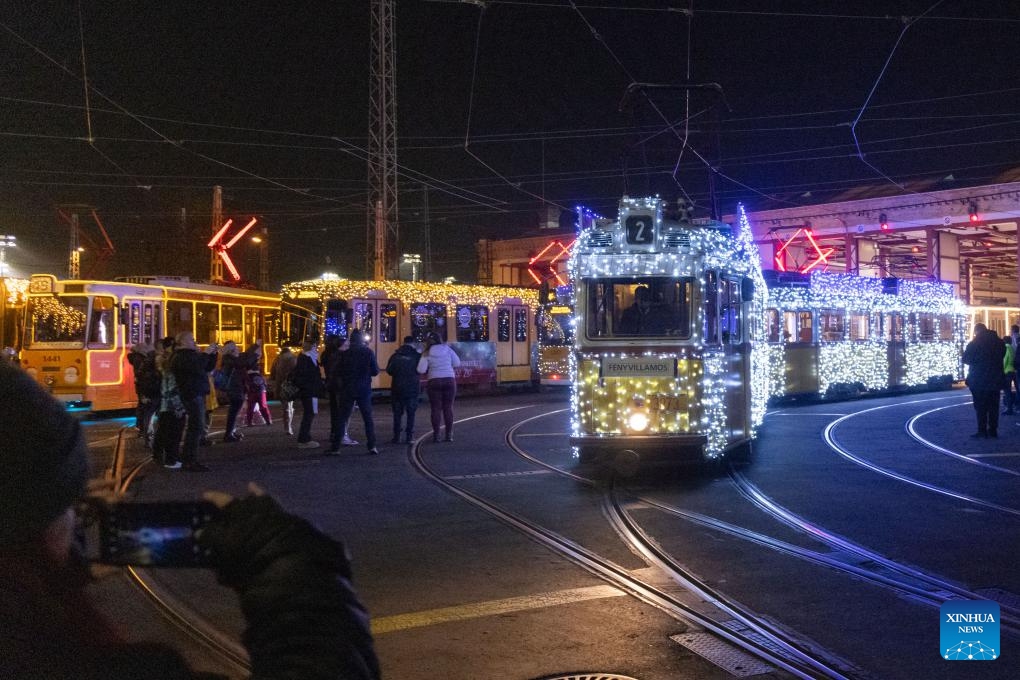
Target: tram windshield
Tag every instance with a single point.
(57, 319)
(556, 326)
(301, 322)
(646, 307)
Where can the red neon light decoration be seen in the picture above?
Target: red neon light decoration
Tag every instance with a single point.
(217, 245)
(549, 270)
(820, 256)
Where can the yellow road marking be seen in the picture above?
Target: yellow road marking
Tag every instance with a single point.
(431, 617)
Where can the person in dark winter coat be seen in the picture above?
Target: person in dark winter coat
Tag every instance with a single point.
(405, 387)
(283, 365)
(142, 358)
(308, 377)
(984, 358)
(234, 366)
(357, 368)
(303, 618)
(191, 369)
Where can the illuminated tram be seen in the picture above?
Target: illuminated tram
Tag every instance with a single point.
(669, 317)
(554, 331)
(489, 327)
(78, 332)
(840, 335)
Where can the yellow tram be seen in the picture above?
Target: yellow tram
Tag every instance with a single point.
(490, 327)
(78, 332)
(669, 315)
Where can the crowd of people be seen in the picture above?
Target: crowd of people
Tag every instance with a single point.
(179, 387)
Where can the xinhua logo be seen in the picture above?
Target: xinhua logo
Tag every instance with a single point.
(969, 630)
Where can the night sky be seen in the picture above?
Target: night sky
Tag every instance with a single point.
(271, 103)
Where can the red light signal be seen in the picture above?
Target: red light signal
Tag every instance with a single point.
(883, 221)
(973, 211)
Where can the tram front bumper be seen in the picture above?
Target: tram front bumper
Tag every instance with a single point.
(642, 445)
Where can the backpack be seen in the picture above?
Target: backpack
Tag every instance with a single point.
(220, 380)
(258, 382)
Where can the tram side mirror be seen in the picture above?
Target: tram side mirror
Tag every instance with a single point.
(747, 289)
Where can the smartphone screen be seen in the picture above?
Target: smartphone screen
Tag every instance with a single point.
(153, 534)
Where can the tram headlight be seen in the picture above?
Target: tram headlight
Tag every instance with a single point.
(638, 421)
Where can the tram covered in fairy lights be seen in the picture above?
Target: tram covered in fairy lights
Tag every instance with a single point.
(489, 327)
(667, 355)
(840, 335)
(554, 341)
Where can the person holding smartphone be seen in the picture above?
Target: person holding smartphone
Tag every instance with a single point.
(303, 618)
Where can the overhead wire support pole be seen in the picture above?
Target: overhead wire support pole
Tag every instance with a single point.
(382, 206)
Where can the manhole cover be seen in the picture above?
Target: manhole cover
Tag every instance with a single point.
(587, 676)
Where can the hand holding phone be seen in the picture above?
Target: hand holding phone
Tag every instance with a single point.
(146, 534)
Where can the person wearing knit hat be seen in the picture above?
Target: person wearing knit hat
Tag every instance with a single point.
(44, 461)
(293, 581)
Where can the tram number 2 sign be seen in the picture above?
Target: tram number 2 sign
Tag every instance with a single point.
(640, 229)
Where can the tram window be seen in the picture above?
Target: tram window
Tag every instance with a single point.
(860, 327)
(57, 319)
(207, 322)
(521, 325)
(502, 324)
(945, 328)
(364, 317)
(711, 329)
(772, 325)
(231, 325)
(150, 323)
(336, 319)
(428, 317)
(831, 323)
(387, 322)
(797, 326)
(472, 323)
(270, 326)
(555, 326)
(252, 325)
(925, 327)
(101, 328)
(729, 308)
(135, 323)
(178, 317)
(653, 306)
(892, 326)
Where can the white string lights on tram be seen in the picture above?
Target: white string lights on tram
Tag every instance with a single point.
(701, 384)
(865, 361)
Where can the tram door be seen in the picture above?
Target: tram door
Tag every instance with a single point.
(897, 348)
(513, 343)
(143, 324)
(377, 318)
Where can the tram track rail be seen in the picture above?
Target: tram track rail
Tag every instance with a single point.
(834, 443)
(847, 557)
(751, 634)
